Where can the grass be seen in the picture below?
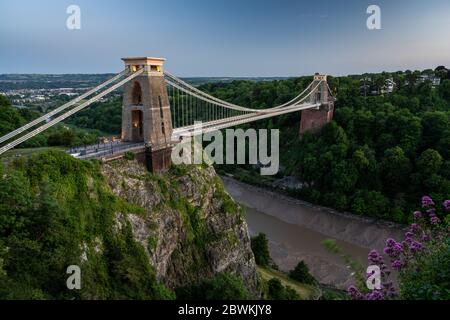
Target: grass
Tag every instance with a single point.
(305, 291)
(14, 154)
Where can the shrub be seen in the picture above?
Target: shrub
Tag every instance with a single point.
(129, 156)
(260, 249)
(223, 286)
(301, 274)
(422, 259)
(276, 291)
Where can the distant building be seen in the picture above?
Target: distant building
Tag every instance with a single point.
(389, 86)
(435, 81)
(364, 86)
(367, 86)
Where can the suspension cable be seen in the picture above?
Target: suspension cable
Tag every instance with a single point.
(60, 109)
(68, 113)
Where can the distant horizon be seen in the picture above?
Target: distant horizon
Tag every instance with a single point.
(266, 76)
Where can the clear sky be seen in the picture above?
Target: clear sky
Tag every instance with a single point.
(225, 37)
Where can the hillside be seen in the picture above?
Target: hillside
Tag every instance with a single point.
(133, 234)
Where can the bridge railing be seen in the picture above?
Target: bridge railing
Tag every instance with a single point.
(93, 152)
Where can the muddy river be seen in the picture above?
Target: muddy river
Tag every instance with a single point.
(296, 230)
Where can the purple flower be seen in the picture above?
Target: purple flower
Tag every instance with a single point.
(390, 242)
(414, 228)
(446, 205)
(374, 295)
(427, 202)
(417, 215)
(424, 237)
(375, 257)
(409, 235)
(397, 265)
(398, 247)
(434, 220)
(389, 251)
(354, 293)
(415, 246)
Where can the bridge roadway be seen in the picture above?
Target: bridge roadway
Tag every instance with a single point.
(104, 150)
(112, 149)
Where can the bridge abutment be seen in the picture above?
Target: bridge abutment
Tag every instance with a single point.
(146, 115)
(314, 119)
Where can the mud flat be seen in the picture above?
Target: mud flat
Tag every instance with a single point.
(296, 230)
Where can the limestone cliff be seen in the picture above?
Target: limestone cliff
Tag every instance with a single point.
(191, 228)
(132, 234)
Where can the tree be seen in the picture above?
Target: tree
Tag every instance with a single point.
(260, 249)
(15, 202)
(343, 176)
(444, 89)
(435, 125)
(429, 163)
(301, 274)
(4, 101)
(10, 117)
(442, 72)
(276, 291)
(370, 203)
(396, 168)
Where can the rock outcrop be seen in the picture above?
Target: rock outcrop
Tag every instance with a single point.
(191, 228)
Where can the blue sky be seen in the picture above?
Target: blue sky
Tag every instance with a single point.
(225, 37)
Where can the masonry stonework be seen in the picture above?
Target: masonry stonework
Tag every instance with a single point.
(146, 113)
(314, 119)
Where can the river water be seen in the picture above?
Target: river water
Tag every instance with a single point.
(296, 230)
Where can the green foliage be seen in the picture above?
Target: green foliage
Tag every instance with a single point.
(178, 170)
(129, 156)
(55, 210)
(301, 274)
(331, 245)
(223, 286)
(370, 203)
(103, 116)
(276, 291)
(431, 281)
(12, 118)
(370, 159)
(395, 168)
(260, 249)
(444, 89)
(333, 294)
(429, 163)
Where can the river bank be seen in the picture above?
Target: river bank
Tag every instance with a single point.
(296, 230)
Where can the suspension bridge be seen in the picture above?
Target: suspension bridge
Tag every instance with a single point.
(159, 110)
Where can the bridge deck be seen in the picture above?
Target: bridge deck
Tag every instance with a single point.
(107, 150)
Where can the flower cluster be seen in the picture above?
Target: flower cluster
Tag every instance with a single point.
(446, 205)
(387, 289)
(425, 230)
(427, 202)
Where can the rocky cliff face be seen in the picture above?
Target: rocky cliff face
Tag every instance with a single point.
(191, 229)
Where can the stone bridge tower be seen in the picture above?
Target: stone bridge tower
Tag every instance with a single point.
(146, 113)
(314, 119)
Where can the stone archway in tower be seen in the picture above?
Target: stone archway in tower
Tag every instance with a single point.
(136, 93)
(137, 126)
